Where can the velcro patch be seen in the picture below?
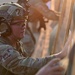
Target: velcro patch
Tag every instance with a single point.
(11, 10)
(7, 54)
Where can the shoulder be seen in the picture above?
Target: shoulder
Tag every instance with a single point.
(7, 49)
(4, 47)
(8, 52)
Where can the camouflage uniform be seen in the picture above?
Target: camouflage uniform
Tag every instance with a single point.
(16, 61)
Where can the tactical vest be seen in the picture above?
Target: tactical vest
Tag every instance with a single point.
(4, 71)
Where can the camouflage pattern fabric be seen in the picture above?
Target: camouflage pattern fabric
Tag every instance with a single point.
(16, 61)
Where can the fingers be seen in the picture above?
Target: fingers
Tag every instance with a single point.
(52, 68)
(57, 68)
(58, 73)
(53, 62)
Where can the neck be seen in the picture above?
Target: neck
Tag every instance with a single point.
(13, 40)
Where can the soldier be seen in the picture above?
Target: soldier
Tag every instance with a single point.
(13, 58)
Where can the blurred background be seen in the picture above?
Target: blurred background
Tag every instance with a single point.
(3, 1)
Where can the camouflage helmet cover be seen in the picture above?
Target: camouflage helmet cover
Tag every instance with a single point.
(12, 12)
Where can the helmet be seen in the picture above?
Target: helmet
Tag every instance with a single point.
(10, 13)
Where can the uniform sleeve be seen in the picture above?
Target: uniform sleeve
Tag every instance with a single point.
(14, 62)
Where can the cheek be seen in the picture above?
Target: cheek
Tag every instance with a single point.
(15, 30)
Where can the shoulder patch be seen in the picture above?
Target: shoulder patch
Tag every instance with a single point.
(5, 52)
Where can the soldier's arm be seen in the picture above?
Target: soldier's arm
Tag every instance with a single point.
(14, 62)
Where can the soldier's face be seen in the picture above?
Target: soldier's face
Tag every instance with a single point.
(18, 30)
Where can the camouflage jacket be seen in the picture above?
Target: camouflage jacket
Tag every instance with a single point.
(14, 60)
